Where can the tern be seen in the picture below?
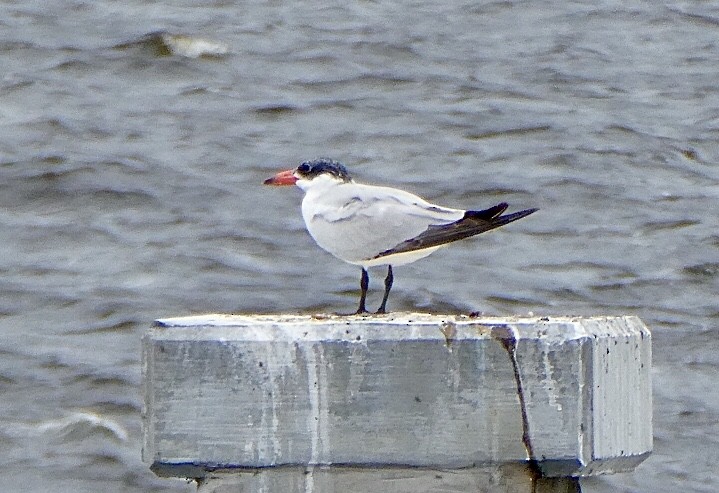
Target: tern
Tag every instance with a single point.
(369, 225)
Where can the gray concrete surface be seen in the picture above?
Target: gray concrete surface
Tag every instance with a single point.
(511, 478)
(401, 392)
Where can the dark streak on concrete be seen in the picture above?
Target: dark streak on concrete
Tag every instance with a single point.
(505, 335)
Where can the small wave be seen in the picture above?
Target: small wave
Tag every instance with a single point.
(6, 381)
(669, 225)
(74, 65)
(100, 328)
(76, 426)
(509, 132)
(710, 269)
(168, 44)
(275, 109)
(699, 18)
(83, 423)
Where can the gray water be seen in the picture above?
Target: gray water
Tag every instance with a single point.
(130, 174)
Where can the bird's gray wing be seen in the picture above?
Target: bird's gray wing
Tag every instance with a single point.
(363, 221)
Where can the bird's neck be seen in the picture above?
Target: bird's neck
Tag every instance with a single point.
(319, 185)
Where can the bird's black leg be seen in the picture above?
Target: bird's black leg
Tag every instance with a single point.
(387, 286)
(364, 284)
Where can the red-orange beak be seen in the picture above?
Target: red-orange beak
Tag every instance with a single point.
(282, 179)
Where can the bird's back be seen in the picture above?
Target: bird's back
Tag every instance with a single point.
(355, 222)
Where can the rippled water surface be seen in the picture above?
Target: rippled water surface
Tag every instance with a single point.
(134, 137)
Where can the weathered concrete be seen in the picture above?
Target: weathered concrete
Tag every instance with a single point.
(511, 478)
(394, 394)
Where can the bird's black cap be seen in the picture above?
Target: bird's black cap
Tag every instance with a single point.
(316, 167)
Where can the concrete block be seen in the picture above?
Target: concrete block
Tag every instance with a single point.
(511, 478)
(409, 392)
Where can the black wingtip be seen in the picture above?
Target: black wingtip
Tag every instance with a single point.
(494, 215)
(506, 219)
(487, 214)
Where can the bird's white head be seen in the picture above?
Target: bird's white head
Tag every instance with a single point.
(312, 173)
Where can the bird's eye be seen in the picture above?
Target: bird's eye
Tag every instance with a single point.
(303, 168)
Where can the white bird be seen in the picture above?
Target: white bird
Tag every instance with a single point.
(369, 225)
